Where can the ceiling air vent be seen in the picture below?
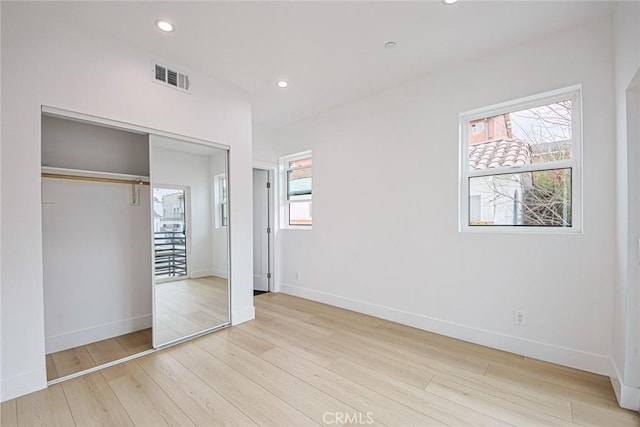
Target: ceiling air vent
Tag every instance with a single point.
(171, 77)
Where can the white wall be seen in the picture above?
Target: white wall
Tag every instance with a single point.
(385, 237)
(626, 339)
(76, 145)
(44, 64)
(264, 140)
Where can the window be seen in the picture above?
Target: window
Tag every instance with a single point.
(297, 171)
(220, 199)
(520, 164)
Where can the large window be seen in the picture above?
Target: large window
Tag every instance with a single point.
(298, 189)
(520, 164)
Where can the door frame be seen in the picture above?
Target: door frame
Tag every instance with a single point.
(274, 221)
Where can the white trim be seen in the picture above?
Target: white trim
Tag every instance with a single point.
(274, 265)
(24, 383)
(284, 201)
(583, 360)
(575, 163)
(628, 397)
(96, 333)
(525, 102)
(244, 315)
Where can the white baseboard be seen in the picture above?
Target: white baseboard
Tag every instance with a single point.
(209, 272)
(628, 397)
(586, 361)
(241, 316)
(96, 333)
(22, 384)
(202, 273)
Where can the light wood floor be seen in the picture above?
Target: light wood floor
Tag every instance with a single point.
(184, 307)
(301, 363)
(78, 359)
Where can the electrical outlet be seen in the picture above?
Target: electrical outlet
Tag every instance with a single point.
(518, 318)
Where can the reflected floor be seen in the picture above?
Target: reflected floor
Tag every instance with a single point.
(78, 359)
(187, 306)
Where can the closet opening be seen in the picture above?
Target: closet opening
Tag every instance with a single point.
(135, 237)
(96, 258)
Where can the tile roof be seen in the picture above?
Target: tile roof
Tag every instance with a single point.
(500, 153)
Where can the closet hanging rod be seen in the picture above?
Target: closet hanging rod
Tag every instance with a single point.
(92, 178)
(98, 176)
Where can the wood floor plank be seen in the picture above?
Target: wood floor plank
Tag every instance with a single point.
(93, 403)
(309, 400)
(603, 415)
(201, 401)
(413, 374)
(443, 410)
(136, 342)
(9, 413)
(491, 405)
(144, 401)
(254, 401)
(44, 408)
(71, 361)
(519, 394)
(52, 372)
(316, 354)
(566, 390)
(106, 351)
(386, 411)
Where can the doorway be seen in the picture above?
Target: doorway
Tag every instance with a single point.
(262, 231)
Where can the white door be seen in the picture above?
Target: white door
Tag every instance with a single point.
(260, 230)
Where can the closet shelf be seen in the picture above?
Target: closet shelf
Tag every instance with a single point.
(98, 176)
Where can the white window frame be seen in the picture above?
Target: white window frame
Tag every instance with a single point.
(574, 93)
(284, 201)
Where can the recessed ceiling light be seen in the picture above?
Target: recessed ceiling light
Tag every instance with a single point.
(165, 25)
(390, 45)
(282, 83)
(449, 1)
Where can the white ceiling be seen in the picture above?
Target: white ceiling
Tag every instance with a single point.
(330, 52)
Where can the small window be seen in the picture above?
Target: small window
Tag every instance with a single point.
(220, 198)
(298, 174)
(520, 164)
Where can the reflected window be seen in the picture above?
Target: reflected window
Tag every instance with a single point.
(221, 200)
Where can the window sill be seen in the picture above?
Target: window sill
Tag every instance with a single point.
(497, 229)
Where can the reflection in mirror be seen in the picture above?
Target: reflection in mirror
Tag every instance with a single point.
(191, 289)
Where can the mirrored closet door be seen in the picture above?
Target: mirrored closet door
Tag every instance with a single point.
(190, 238)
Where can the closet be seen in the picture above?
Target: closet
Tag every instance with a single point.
(110, 246)
(96, 257)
